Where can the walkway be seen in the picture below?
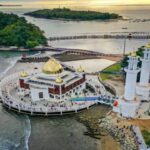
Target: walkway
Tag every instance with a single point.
(111, 35)
(139, 138)
(81, 52)
(9, 98)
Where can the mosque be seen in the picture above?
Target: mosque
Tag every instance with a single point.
(54, 81)
(135, 93)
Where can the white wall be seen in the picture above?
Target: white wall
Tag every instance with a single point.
(35, 94)
(130, 85)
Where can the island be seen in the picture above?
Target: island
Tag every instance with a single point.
(16, 31)
(1, 5)
(68, 14)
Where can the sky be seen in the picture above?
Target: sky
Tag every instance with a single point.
(75, 2)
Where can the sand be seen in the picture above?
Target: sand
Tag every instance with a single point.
(91, 65)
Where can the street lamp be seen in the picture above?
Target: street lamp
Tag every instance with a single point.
(129, 36)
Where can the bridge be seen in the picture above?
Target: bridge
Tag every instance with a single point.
(101, 99)
(66, 51)
(111, 35)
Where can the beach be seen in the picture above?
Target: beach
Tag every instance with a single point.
(91, 65)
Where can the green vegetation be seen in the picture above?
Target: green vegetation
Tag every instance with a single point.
(110, 72)
(65, 13)
(146, 135)
(15, 31)
(113, 68)
(139, 53)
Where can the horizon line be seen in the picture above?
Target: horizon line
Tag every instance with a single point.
(148, 4)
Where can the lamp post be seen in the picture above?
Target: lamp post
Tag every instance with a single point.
(129, 36)
(124, 46)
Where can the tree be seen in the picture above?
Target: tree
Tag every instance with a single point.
(15, 31)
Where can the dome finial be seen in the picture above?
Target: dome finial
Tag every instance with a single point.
(148, 45)
(59, 80)
(23, 74)
(133, 54)
(80, 69)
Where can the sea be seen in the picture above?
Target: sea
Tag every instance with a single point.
(21, 132)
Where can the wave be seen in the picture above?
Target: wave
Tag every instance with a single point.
(27, 132)
(23, 144)
(7, 145)
(12, 64)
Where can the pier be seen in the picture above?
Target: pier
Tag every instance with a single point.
(65, 51)
(111, 35)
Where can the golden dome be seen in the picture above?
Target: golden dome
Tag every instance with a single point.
(52, 67)
(133, 54)
(59, 80)
(80, 69)
(148, 46)
(23, 74)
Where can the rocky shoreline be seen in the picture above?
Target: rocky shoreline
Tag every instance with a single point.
(101, 124)
(90, 118)
(123, 135)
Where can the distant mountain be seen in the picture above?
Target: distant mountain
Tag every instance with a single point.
(1, 5)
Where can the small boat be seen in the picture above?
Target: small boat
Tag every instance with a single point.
(125, 28)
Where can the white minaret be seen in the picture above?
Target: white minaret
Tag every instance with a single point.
(129, 103)
(143, 88)
(131, 78)
(145, 70)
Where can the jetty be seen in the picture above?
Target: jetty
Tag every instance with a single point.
(65, 51)
(108, 35)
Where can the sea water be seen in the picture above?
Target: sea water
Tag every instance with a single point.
(61, 28)
(14, 129)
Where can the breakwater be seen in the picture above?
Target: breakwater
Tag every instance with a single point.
(111, 35)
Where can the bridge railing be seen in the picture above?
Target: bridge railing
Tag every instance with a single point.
(117, 35)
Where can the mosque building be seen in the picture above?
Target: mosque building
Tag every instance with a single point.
(54, 81)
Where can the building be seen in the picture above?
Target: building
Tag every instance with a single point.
(128, 105)
(134, 93)
(143, 87)
(54, 81)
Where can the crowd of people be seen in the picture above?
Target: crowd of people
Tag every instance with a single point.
(43, 106)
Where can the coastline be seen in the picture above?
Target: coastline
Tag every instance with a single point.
(67, 14)
(79, 20)
(90, 118)
(10, 5)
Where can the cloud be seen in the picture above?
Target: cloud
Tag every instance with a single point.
(87, 2)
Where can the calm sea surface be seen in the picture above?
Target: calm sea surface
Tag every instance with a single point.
(19, 132)
(59, 28)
